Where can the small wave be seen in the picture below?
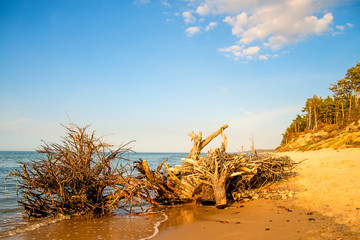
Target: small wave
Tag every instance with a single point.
(33, 226)
(10, 210)
(156, 227)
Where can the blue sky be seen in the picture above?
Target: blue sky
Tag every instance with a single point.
(154, 70)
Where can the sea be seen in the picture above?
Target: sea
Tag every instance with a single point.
(14, 224)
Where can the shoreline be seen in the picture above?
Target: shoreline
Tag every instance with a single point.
(326, 205)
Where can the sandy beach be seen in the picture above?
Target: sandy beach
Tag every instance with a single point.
(326, 205)
(260, 219)
(328, 183)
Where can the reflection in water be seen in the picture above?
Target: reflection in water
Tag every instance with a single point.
(112, 227)
(185, 214)
(119, 227)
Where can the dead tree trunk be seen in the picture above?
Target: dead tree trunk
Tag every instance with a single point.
(199, 144)
(220, 194)
(207, 195)
(219, 179)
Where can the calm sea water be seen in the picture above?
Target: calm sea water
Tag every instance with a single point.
(13, 219)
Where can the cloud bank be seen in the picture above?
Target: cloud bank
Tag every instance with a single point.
(263, 28)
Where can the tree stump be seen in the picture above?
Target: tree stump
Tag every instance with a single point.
(207, 195)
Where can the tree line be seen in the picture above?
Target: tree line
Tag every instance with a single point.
(339, 109)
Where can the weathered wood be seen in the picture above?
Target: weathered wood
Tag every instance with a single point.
(224, 142)
(199, 144)
(208, 178)
(148, 173)
(219, 182)
(253, 146)
(160, 165)
(205, 178)
(220, 194)
(173, 177)
(207, 195)
(212, 136)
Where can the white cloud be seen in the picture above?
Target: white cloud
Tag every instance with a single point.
(276, 42)
(313, 25)
(270, 24)
(238, 22)
(210, 26)
(277, 25)
(165, 3)
(263, 57)
(341, 28)
(203, 10)
(188, 17)
(237, 51)
(251, 50)
(224, 6)
(192, 31)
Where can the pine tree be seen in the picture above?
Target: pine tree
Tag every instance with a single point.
(340, 108)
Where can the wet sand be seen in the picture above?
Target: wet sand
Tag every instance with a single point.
(118, 227)
(259, 219)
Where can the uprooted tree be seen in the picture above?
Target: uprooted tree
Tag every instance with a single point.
(82, 175)
(85, 175)
(215, 177)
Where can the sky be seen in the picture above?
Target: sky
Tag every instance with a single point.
(154, 70)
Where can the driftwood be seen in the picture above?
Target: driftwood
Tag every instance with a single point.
(199, 144)
(215, 177)
(79, 177)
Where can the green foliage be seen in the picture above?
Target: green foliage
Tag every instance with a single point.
(337, 110)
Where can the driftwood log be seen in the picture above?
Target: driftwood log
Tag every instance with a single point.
(216, 176)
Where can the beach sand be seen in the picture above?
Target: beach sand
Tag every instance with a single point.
(259, 219)
(328, 182)
(326, 205)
